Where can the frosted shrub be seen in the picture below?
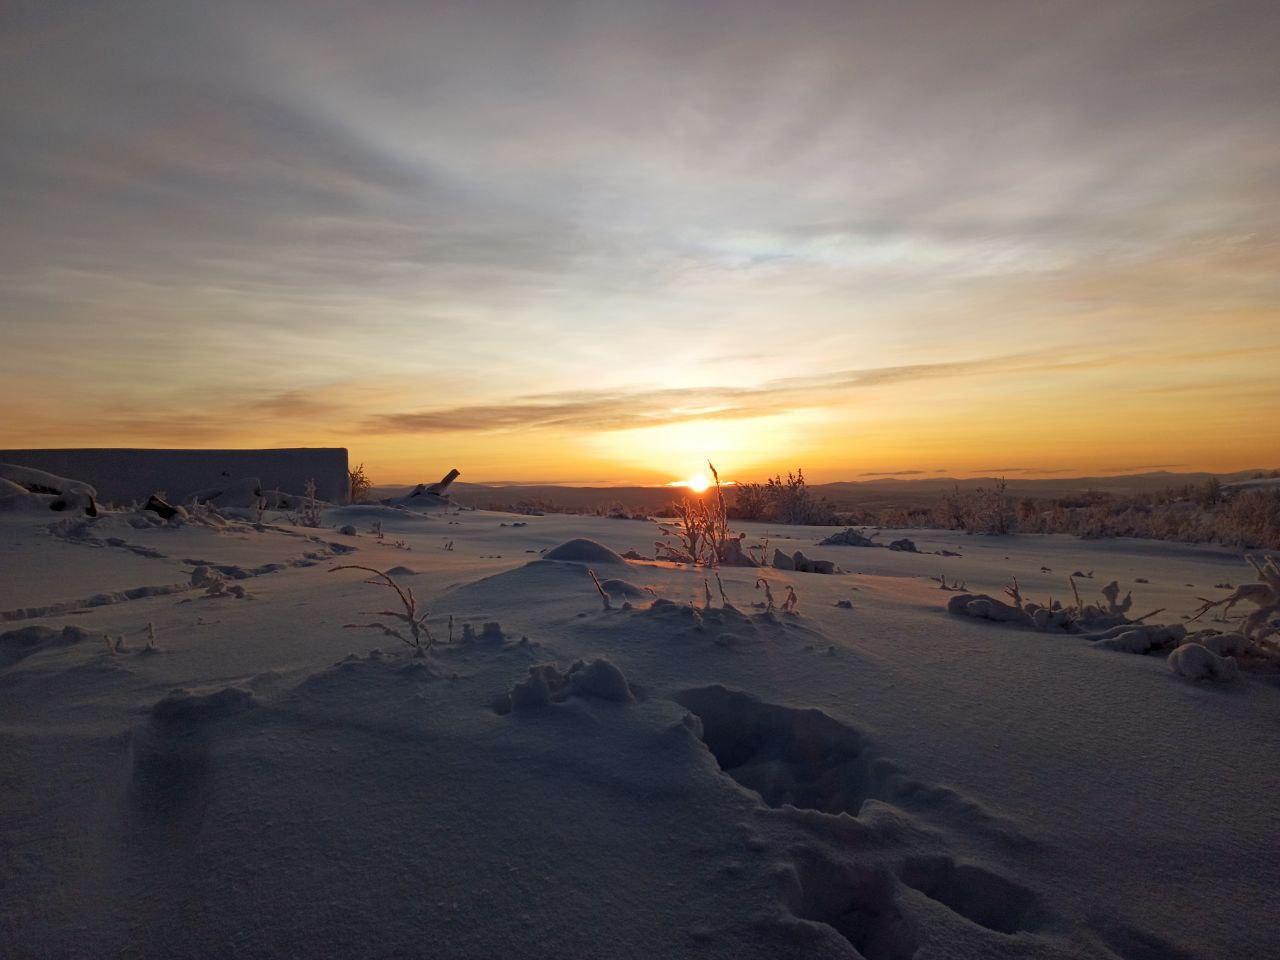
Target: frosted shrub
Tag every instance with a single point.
(1264, 595)
(701, 534)
(751, 501)
(310, 505)
(416, 623)
(794, 502)
(358, 484)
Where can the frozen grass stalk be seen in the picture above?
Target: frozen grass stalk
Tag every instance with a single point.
(419, 635)
(604, 597)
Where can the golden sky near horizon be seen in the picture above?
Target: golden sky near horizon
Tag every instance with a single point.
(604, 242)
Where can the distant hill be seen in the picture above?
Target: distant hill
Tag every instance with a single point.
(874, 494)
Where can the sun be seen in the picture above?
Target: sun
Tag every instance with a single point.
(698, 483)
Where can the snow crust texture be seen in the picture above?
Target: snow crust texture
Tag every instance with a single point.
(201, 759)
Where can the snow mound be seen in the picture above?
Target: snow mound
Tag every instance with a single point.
(1196, 662)
(602, 680)
(25, 489)
(183, 706)
(545, 685)
(582, 550)
(17, 644)
(623, 588)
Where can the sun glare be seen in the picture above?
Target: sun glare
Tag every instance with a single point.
(697, 483)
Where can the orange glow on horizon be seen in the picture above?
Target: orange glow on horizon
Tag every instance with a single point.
(698, 483)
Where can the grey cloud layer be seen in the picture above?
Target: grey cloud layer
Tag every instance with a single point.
(514, 174)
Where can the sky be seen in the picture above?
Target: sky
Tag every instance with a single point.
(605, 242)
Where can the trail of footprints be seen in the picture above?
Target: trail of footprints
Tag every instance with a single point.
(867, 876)
(860, 855)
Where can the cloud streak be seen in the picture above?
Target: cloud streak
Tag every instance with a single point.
(620, 410)
(733, 211)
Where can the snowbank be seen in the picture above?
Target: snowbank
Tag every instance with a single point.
(23, 489)
(124, 475)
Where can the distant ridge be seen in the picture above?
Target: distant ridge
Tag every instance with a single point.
(871, 493)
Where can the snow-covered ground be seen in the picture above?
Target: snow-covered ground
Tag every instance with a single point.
(185, 772)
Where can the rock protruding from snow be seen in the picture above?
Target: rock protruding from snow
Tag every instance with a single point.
(25, 641)
(1196, 662)
(582, 550)
(849, 538)
(802, 564)
(158, 505)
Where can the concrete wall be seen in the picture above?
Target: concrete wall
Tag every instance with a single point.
(123, 475)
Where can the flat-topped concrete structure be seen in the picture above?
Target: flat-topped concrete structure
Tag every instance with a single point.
(122, 475)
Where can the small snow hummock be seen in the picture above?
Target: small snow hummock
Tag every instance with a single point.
(1196, 662)
(582, 550)
(599, 680)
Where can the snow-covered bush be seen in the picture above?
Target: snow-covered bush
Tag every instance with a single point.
(1053, 615)
(1264, 621)
(701, 534)
(310, 505)
(358, 484)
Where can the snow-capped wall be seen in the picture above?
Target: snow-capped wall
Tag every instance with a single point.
(121, 475)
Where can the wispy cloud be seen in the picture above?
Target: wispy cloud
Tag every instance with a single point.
(526, 212)
(615, 410)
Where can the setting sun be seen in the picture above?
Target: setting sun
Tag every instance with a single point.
(698, 483)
